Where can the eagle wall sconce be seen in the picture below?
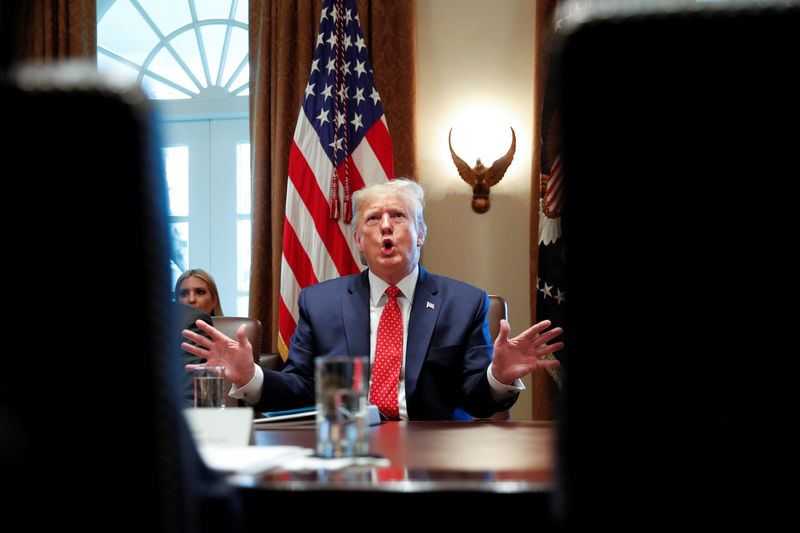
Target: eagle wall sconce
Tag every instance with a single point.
(481, 178)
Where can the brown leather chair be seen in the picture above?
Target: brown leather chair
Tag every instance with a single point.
(229, 325)
(498, 309)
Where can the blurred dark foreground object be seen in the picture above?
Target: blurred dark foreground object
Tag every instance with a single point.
(92, 433)
(679, 150)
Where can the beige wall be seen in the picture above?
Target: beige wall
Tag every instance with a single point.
(476, 66)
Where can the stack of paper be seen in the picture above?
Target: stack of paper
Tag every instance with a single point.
(251, 459)
(305, 417)
(293, 418)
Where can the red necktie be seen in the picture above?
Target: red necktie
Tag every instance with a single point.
(388, 358)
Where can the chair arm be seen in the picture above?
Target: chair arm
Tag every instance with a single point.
(271, 361)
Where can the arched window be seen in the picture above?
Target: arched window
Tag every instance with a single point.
(191, 58)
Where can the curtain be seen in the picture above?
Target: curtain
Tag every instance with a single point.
(541, 383)
(53, 30)
(282, 39)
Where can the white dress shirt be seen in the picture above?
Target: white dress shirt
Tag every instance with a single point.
(251, 392)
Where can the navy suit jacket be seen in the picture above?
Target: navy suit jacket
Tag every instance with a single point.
(446, 358)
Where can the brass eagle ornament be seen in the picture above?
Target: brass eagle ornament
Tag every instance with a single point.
(481, 178)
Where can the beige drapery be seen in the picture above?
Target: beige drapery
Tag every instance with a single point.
(282, 40)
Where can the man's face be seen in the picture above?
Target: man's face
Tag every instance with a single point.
(386, 235)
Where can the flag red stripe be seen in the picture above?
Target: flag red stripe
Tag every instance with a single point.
(356, 181)
(381, 144)
(296, 257)
(553, 191)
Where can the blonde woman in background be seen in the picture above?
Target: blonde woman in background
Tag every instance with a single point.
(198, 289)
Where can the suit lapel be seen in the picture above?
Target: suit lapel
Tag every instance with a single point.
(355, 311)
(424, 314)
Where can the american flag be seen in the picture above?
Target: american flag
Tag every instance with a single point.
(340, 126)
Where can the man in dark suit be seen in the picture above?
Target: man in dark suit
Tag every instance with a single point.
(447, 359)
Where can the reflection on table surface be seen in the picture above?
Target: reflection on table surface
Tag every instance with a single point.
(485, 456)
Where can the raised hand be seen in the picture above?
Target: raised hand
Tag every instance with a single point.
(517, 357)
(220, 350)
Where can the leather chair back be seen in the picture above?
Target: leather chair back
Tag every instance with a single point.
(229, 325)
(498, 309)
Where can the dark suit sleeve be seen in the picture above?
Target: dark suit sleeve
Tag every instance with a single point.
(453, 375)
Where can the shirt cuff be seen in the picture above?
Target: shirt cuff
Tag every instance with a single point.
(501, 391)
(250, 392)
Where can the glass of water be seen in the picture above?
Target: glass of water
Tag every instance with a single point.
(209, 382)
(342, 387)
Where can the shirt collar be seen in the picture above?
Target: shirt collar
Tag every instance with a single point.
(407, 286)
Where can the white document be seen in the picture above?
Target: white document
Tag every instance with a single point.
(231, 426)
(223, 436)
(251, 459)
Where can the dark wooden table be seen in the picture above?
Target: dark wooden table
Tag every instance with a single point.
(432, 466)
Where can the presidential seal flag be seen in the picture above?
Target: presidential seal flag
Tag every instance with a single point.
(551, 282)
(341, 144)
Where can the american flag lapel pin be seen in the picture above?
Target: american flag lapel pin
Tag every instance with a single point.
(430, 305)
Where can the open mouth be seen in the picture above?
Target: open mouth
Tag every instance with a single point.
(387, 246)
